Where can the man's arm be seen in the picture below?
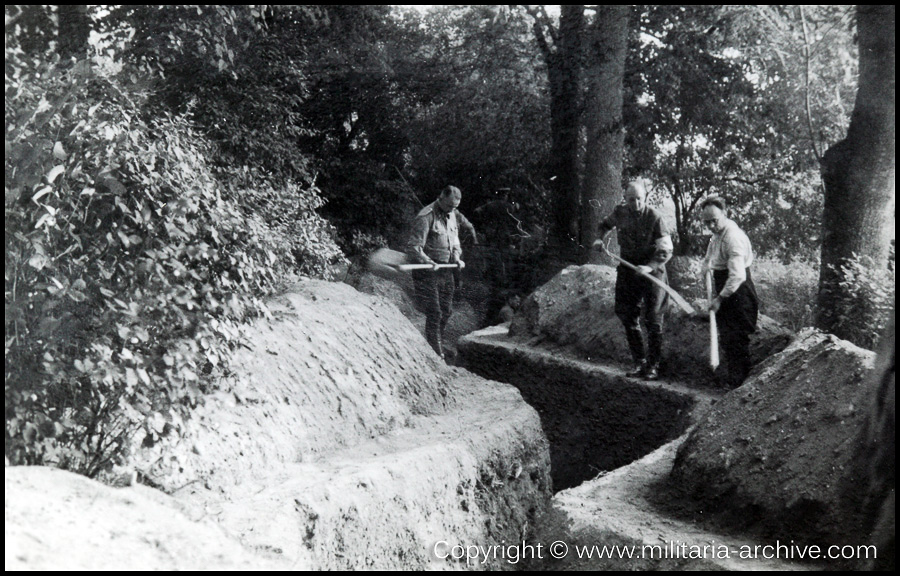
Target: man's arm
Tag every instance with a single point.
(737, 251)
(737, 273)
(417, 238)
(663, 250)
(604, 229)
(455, 246)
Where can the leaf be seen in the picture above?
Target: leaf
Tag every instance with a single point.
(46, 218)
(55, 172)
(38, 261)
(114, 186)
(58, 152)
(131, 377)
(30, 433)
(157, 422)
(41, 193)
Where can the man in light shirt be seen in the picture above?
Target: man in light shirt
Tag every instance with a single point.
(729, 257)
(435, 240)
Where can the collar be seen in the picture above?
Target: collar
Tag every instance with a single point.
(729, 224)
(439, 212)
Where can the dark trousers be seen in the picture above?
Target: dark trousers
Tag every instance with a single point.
(633, 291)
(434, 298)
(736, 319)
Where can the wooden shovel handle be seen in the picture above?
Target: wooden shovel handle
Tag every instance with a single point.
(713, 329)
(406, 267)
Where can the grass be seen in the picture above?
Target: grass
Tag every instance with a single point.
(787, 292)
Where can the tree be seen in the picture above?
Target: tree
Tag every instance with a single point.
(138, 239)
(562, 53)
(858, 172)
(602, 183)
(734, 101)
(480, 120)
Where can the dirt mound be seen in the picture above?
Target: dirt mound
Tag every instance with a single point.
(60, 520)
(775, 455)
(576, 309)
(340, 442)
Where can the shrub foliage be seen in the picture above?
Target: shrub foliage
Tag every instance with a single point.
(132, 260)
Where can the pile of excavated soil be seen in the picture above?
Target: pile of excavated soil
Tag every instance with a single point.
(576, 309)
(56, 520)
(340, 441)
(775, 456)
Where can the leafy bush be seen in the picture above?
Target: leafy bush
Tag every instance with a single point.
(787, 292)
(131, 262)
(867, 299)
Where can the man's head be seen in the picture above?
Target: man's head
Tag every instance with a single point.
(636, 195)
(449, 198)
(714, 213)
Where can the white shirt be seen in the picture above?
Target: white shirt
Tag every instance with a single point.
(731, 250)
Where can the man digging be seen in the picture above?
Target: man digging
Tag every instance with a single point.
(645, 243)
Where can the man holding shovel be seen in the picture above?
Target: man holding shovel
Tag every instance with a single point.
(645, 245)
(435, 240)
(728, 259)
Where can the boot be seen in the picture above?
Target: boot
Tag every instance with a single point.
(636, 346)
(640, 368)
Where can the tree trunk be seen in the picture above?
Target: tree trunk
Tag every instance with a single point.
(565, 88)
(858, 171)
(74, 30)
(602, 183)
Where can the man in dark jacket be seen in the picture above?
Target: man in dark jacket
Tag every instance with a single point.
(645, 242)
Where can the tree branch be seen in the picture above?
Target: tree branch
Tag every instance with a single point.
(538, 27)
(806, 66)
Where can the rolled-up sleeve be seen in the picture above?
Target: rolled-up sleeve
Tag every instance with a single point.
(662, 253)
(737, 273)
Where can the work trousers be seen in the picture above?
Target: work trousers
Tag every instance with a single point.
(736, 319)
(434, 298)
(633, 292)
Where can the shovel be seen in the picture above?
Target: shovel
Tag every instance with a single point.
(713, 329)
(676, 297)
(387, 262)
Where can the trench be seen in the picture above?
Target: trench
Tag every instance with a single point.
(595, 418)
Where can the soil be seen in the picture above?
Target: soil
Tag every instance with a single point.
(777, 458)
(328, 450)
(341, 442)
